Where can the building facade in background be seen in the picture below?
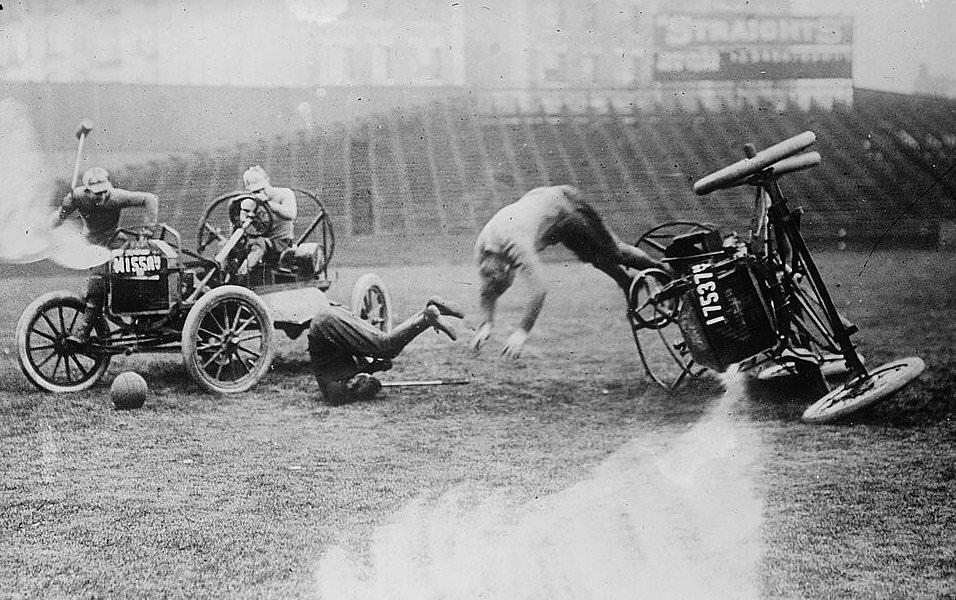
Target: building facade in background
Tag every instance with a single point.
(308, 61)
(264, 43)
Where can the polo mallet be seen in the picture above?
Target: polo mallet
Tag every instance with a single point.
(424, 382)
(86, 126)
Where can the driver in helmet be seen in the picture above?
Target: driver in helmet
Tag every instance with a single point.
(281, 203)
(100, 205)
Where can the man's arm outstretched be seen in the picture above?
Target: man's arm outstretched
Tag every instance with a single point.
(487, 301)
(538, 292)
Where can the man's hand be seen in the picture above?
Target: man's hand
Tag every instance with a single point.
(54, 220)
(514, 344)
(148, 231)
(481, 336)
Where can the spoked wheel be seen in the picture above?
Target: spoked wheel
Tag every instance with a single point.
(371, 302)
(660, 342)
(46, 358)
(228, 340)
(864, 390)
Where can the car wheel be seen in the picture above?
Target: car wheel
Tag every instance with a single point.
(228, 340)
(863, 391)
(45, 357)
(371, 302)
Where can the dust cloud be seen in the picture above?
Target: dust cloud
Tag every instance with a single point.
(25, 234)
(668, 515)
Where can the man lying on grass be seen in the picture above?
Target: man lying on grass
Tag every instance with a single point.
(345, 350)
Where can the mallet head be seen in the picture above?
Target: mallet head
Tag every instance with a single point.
(86, 126)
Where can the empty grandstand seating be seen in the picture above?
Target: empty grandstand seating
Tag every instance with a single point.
(444, 168)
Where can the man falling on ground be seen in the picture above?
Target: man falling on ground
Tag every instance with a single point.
(511, 240)
(345, 350)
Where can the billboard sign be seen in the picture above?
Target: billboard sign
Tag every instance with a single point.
(738, 47)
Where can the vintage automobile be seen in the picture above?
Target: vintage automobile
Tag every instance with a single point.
(163, 297)
(756, 301)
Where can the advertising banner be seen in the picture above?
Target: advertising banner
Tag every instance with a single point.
(738, 47)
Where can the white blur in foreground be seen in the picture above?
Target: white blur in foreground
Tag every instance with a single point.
(666, 516)
(25, 234)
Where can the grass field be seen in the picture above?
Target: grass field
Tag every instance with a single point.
(563, 475)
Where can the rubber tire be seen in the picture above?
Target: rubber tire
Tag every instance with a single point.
(859, 393)
(367, 289)
(59, 299)
(190, 338)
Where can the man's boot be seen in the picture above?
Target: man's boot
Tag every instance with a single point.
(433, 315)
(84, 325)
(446, 307)
(430, 316)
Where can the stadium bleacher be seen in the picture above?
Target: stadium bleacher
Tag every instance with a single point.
(442, 169)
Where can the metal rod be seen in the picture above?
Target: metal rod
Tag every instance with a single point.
(423, 382)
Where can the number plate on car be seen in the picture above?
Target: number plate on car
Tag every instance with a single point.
(139, 265)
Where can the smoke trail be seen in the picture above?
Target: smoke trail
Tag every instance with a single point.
(22, 236)
(660, 518)
(25, 235)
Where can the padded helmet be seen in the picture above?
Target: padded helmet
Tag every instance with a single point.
(255, 178)
(97, 179)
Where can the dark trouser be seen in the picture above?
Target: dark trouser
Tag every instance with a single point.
(337, 337)
(268, 249)
(273, 248)
(340, 343)
(94, 300)
(584, 232)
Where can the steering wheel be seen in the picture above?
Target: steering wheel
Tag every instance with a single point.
(262, 217)
(217, 225)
